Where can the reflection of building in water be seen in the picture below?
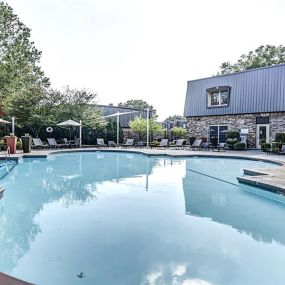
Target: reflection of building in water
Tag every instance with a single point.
(232, 205)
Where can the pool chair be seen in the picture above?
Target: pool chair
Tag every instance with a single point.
(128, 143)
(111, 144)
(196, 144)
(66, 142)
(38, 144)
(53, 144)
(178, 144)
(101, 143)
(282, 150)
(140, 144)
(75, 143)
(205, 146)
(222, 146)
(163, 143)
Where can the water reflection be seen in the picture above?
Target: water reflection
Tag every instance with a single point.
(120, 219)
(239, 207)
(70, 180)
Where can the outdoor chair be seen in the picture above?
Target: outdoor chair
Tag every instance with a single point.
(140, 144)
(205, 146)
(66, 142)
(53, 144)
(222, 146)
(178, 144)
(282, 150)
(101, 143)
(196, 144)
(38, 144)
(75, 143)
(128, 143)
(111, 144)
(163, 143)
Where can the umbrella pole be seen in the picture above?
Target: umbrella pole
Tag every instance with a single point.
(69, 134)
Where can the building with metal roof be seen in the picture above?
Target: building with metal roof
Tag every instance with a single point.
(251, 101)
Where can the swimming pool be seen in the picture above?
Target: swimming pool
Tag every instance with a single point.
(121, 218)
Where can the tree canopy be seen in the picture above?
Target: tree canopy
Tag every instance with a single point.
(174, 117)
(261, 57)
(138, 104)
(19, 58)
(139, 126)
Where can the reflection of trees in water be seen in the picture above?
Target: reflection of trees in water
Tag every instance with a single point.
(71, 182)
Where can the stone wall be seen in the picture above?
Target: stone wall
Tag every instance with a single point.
(199, 126)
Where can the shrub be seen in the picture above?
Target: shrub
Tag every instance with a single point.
(280, 137)
(232, 135)
(265, 147)
(276, 146)
(19, 144)
(239, 146)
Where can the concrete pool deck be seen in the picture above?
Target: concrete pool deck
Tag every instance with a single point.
(272, 179)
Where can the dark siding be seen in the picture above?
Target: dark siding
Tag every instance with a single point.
(124, 119)
(253, 91)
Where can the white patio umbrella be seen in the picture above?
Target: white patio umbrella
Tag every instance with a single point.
(4, 122)
(70, 123)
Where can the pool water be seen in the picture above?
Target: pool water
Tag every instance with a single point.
(122, 218)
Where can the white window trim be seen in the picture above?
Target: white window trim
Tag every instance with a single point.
(219, 98)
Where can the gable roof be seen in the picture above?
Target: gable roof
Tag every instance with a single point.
(252, 91)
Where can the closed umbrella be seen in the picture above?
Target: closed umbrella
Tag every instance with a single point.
(4, 122)
(69, 123)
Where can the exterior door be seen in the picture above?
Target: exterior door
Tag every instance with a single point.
(262, 135)
(218, 134)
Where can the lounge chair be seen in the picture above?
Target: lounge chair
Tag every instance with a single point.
(111, 144)
(53, 144)
(222, 146)
(163, 143)
(75, 143)
(101, 143)
(205, 146)
(140, 144)
(178, 144)
(38, 144)
(196, 144)
(282, 150)
(66, 142)
(128, 143)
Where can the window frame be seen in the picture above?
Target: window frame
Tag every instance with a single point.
(219, 90)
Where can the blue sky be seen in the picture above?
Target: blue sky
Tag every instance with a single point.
(146, 49)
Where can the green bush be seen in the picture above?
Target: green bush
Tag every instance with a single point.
(19, 144)
(280, 137)
(239, 146)
(265, 147)
(232, 135)
(276, 146)
(231, 143)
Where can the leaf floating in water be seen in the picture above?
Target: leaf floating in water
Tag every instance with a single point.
(80, 275)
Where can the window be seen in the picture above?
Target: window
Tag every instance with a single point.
(262, 120)
(218, 134)
(218, 96)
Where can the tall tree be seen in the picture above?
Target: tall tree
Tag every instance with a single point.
(139, 126)
(261, 57)
(19, 58)
(138, 104)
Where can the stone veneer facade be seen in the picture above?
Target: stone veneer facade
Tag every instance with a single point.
(199, 126)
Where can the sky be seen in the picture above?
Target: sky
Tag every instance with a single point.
(146, 49)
